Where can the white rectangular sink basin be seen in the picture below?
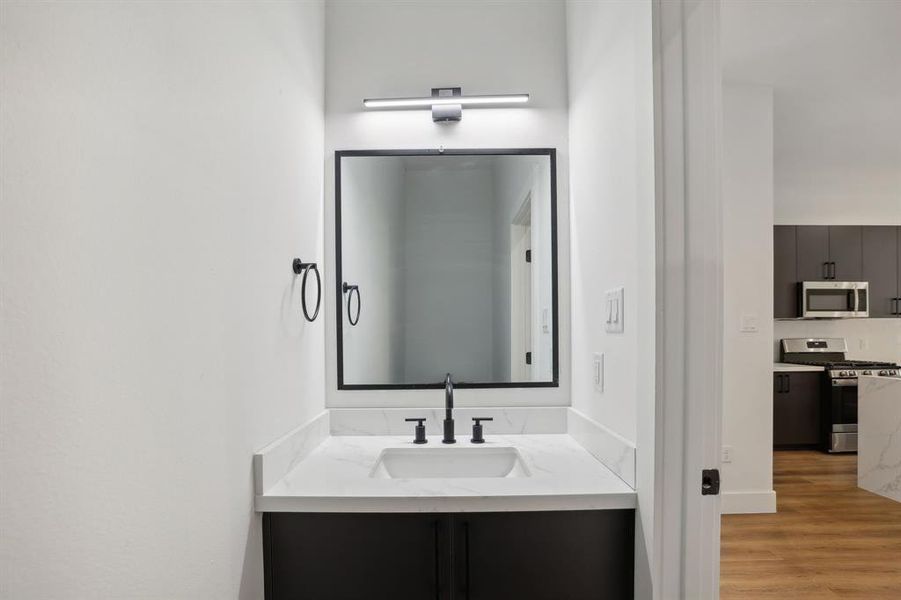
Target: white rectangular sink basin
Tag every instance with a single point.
(448, 463)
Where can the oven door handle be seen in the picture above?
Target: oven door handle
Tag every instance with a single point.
(856, 300)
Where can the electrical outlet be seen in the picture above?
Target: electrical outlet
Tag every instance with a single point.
(749, 324)
(727, 454)
(864, 344)
(598, 372)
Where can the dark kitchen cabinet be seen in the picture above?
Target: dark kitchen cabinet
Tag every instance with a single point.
(577, 555)
(785, 272)
(845, 244)
(813, 253)
(829, 252)
(796, 409)
(882, 269)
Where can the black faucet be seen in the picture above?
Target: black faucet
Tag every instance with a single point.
(448, 411)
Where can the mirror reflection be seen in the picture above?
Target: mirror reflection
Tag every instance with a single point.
(446, 264)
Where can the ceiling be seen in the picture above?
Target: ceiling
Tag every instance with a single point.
(835, 68)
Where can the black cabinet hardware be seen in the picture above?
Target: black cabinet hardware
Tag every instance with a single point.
(298, 266)
(477, 437)
(349, 290)
(419, 430)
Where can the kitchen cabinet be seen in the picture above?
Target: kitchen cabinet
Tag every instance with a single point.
(829, 252)
(813, 253)
(882, 269)
(796, 410)
(578, 555)
(845, 245)
(785, 272)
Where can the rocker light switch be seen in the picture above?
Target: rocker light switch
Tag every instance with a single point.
(614, 309)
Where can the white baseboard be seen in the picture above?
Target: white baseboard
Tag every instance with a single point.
(745, 503)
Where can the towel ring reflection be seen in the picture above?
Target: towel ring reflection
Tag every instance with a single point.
(349, 290)
(298, 266)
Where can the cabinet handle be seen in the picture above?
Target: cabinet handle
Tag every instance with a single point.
(825, 270)
(788, 383)
(895, 302)
(832, 270)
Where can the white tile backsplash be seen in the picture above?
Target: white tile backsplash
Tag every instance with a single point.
(881, 337)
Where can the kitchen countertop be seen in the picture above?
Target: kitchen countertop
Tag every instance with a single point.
(335, 477)
(793, 368)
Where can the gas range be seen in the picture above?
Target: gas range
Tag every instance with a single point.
(852, 369)
(838, 407)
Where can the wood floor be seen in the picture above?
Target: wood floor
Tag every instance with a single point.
(829, 539)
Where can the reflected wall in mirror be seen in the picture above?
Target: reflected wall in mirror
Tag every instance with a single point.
(454, 259)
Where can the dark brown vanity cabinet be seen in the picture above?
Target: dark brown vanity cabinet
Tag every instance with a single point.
(796, 409)
(840, 253)
(578, 555)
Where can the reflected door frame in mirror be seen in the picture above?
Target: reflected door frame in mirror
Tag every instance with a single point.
(341, 297)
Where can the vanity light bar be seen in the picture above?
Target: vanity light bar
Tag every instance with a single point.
(430, 101)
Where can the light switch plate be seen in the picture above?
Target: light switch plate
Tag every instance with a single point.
(614, 310)
(750, 324)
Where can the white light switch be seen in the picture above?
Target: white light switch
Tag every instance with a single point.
(750, 324)
(615, 309)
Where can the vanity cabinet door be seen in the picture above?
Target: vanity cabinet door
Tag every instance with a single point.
(571, 555)
(331, 556)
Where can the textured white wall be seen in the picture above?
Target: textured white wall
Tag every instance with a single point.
(161, 166)
(380, 48)
(612, 215)
(748, 291)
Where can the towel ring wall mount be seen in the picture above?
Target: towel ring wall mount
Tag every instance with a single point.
(298, 266)
(349, 290)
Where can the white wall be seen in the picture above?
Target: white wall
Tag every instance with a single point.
(747, 481)
(161, 166)
(448, 274)
(612, 229)
(372, 223)
(383, 49)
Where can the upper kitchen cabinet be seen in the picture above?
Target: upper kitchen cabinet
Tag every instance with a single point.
(882, 269)
(845, 253)
(785, 272)
(829, 252)
(812, 253)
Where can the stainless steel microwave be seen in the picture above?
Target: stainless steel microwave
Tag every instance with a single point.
(834, 299)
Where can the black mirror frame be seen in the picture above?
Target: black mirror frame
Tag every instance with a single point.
(551, 153)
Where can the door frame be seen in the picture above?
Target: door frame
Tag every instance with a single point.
(688, 403)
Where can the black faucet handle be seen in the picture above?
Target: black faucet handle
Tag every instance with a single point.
(477, 437)
(419, 430)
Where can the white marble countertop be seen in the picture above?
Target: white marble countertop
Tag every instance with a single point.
(793, 368)
(879, 436)
(335, 477)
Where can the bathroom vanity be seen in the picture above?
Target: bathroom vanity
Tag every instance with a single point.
(373, 515)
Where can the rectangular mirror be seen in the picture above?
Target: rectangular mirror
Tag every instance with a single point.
(446, 263)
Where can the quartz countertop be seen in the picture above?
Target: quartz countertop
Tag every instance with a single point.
(793, 368)
(335, 477)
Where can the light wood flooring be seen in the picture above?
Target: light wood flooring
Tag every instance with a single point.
(828, 540)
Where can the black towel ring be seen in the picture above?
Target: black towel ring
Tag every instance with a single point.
(298, 266)
(349, 290)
